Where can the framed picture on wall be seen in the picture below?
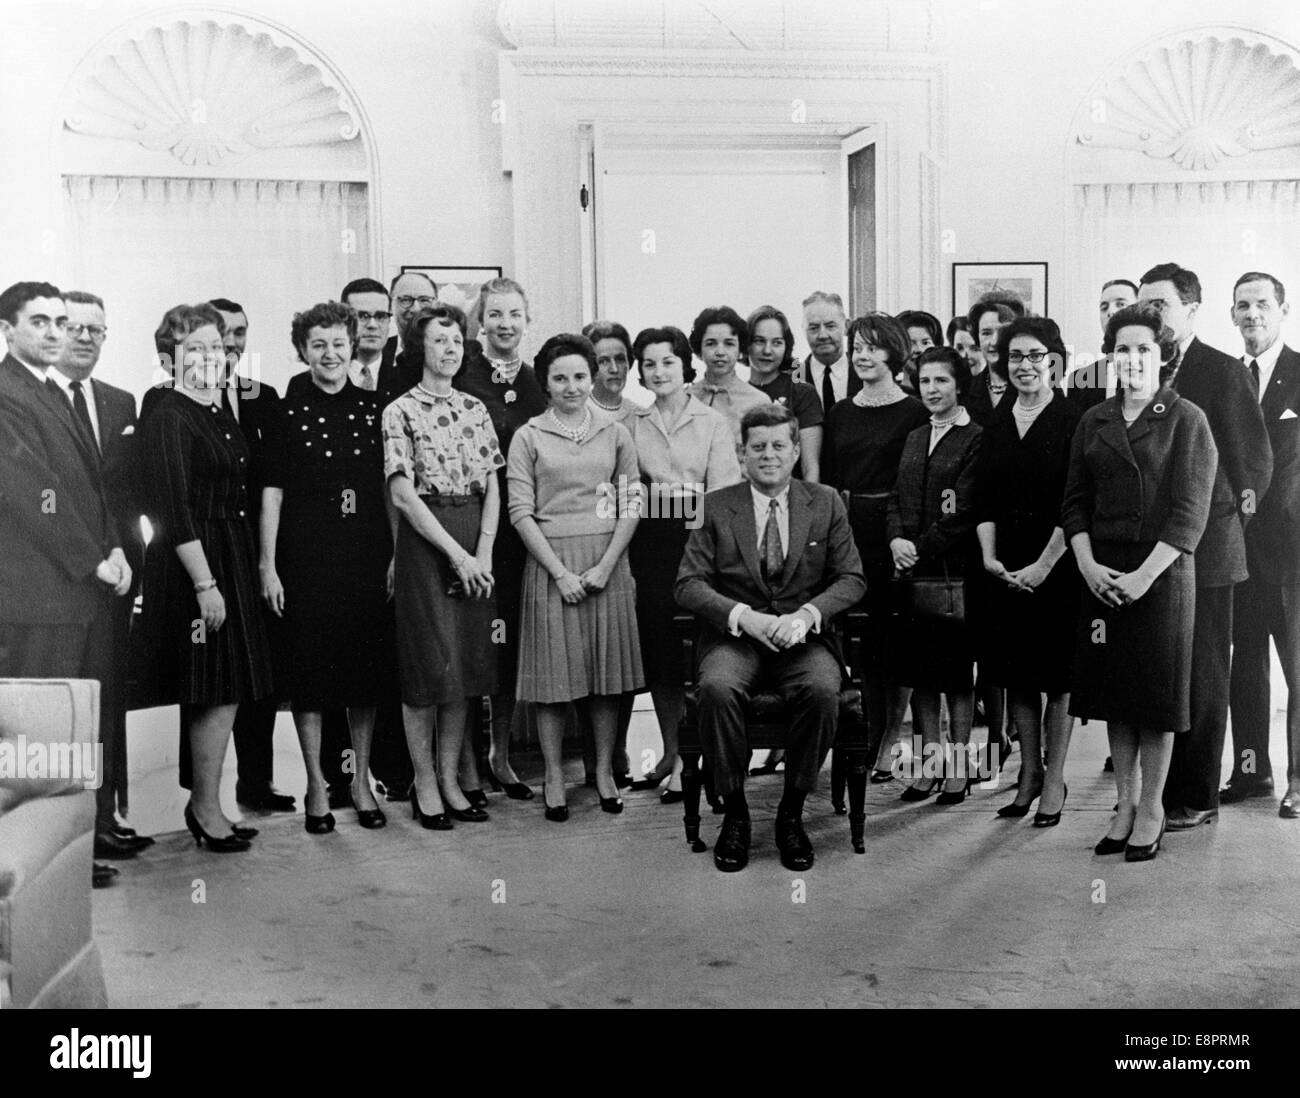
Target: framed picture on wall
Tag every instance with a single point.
(970, 281)
(457, 286)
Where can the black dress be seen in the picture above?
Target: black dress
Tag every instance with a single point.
(333, 647)
(801, 398)
(195, 466)
(1026, 641)
(510, 407)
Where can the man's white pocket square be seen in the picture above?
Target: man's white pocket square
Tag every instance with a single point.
(128, 430)
(1288, 414)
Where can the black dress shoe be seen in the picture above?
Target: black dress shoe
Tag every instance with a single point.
(439, 822)
(793, 843)
(946, 798)
(1015, 811)
(130, 835)
(731, 852)
(612, 805)
(243, 832)
(476, 797)
(557, 813)
(394, 793)
(217, 844)
(645, 783)
(1243, 789)
(372, 819)
(1146, 851)
(1184, 819)
(473, 814)
(318, 825)
(1111, 846)
(671, 796)
(1051, 819)
(101, 876)
(1289, 809)
(1108, 767)
(114, 847)
(264, 800)
(879, 777)
(622, 781)
(915, 793)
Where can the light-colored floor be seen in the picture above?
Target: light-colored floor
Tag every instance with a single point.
(947, 907)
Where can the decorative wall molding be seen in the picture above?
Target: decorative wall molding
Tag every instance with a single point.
(207, 92)
(1198, 100)
(827, 27)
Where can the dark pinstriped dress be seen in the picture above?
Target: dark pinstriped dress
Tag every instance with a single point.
(195, 466)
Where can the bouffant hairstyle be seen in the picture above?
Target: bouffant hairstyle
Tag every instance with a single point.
(675, 338)
(771, 312)
(1042, 329)
(957, 367)
(178, 322)
(1146, 317)
(448, 316)
(328, 314)
(918, 318)
(719, 314)
(608, 329)
(558, 346)
(498, 286)
(881, 330)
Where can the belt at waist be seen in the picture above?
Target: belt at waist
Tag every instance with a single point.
(441, 500)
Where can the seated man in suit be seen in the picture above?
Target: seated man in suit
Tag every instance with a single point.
(769, 567)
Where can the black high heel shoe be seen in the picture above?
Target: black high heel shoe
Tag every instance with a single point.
(559, 813)
(476, 797)
(1112, 846)
(915, 793)
(612, 805)
(1015, 811)
(953, 798)
(1051, 819)
(472, 814)
(1146, 851)
(243, 832)
(440, 822)
(318, 825)
(879, 777)
(225, 844)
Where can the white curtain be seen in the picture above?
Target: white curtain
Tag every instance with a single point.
(274, 246)
(1218, 229)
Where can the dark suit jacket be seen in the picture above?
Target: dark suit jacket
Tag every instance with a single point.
(933, 501)
(720, 566)
(979, 401)
(1273, 536)
(54, 521)
(120, 467)
(1086, 386)
(1220, 386)
(1142, 484)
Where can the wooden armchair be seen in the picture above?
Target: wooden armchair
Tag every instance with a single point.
(767, 719)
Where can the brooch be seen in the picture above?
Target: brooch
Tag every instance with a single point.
(1157, 408)
(511, 396)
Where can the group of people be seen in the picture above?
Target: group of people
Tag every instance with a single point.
(425, 521)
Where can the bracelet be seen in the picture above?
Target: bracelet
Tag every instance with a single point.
(205, 585)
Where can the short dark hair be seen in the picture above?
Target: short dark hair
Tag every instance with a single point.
(719, 314)
(1260, 276)
(327, 314)
(444, 313)
(418, 274)
(771, 312)
(558, 346)
(608, 329)
(20, 293)
(918, 318)
(1118, 282)
(81, 297)
(1144, 316)
(362, 286)
(1006, 314)
(226, 305)
(178, 322)
(1042, 329)
(957, 366)
(955, 325)
(675, 338)
(883, 331)
(1185, 282)
(769, 415)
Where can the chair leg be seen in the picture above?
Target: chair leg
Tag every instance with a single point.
(691, 800)
(838, 774)
(856, 764)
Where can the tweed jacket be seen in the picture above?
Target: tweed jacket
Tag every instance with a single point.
(933, 501)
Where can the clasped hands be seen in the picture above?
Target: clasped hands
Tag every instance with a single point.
(475, 575)
(1022, 579)
(776, 633)
(574, 588)
(1112, 587)
(114, 572)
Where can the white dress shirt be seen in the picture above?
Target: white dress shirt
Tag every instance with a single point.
(88, 390)
(354, 374)
(839, 376)
(1267, 362)
(762, 508)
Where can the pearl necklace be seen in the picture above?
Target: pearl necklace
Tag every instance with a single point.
(617, 407)
(936, 422)
(578, 433)
(864, 400)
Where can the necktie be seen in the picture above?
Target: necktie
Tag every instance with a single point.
(367, 379)
(86, 438)
(773, 558)
(1254, 376)
(82, 410)
(828, 390)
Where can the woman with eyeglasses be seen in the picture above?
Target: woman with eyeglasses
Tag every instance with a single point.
(1137, 500)
(1030, 593)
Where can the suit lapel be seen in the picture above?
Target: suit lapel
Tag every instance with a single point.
(800, 525)
(1115, 433)
(1285, 381)
(746, 534)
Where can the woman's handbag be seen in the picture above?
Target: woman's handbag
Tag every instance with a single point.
(933, 599)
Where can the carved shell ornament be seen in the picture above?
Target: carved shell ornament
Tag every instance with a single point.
(1199, 103)
(206, 93)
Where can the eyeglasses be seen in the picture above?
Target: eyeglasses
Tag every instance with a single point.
(1036, 358)
(407, 301)
(95, 331)
(378, 318)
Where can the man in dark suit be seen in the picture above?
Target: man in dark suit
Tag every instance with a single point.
(255, 405)
(108, 413)
(771, 564)
(1217, 384)
(1268, 603)
(63, 562)
(826, 369)
(1092, 383)
(409, 292)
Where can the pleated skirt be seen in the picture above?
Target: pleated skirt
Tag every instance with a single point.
(571, 652)
(446, 645)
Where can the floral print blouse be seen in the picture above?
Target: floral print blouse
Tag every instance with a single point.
(445, 444)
